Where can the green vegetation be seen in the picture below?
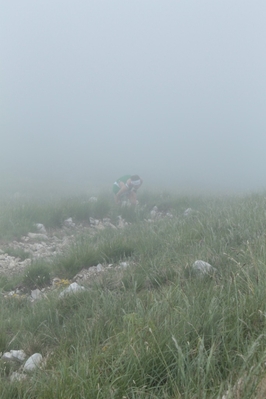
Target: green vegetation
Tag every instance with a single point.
(152, 330)
(18, 217)
(36, 275)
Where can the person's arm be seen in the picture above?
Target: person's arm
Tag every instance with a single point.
(123, 189)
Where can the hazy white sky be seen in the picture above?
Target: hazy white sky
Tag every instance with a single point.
(172, 90)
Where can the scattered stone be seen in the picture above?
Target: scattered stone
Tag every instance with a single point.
(36, 294)
(69, 223)
(124, 265)
(121, 222)
(41, 228)
(188, 211)
(154, 212)
(37, 246)
(12, 264)
(47, 246)
(80, 276)
(33, 362)
(37, 236)
(107, 223)
(203, 267)
(25, 263)
(15, 376)
(94, 222)
(19, 355)
(92, 271)
(99, 268)
(169, 215)
(100, 226)
(72, 289)
(7, 356)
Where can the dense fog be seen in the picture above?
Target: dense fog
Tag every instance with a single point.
(174, 91)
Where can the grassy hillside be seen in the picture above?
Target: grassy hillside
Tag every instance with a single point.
(153, 329)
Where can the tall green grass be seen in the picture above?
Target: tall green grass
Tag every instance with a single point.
(18, 217)
(153, 329)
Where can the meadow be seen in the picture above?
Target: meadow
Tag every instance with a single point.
(155, 329)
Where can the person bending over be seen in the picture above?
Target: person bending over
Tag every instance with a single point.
(126, 187)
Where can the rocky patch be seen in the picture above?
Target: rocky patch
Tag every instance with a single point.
(47, 244)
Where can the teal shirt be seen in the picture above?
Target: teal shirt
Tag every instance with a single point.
(123, 179)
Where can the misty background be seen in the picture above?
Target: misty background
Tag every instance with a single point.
(174, 91)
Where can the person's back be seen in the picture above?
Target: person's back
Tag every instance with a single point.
(127, 184)
(124, 179)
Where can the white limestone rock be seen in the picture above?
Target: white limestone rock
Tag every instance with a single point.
(25, 263)
(71, 289)
(94, 222)
(121, 222)
(99, 268)
(36, 294)
(41, 228)
(154, 212)
(33, 363)
(107, 223)
(37, 236)
(169, 215)
(7, 356)
(203, 268)
(12, 264)
(69, 222)
(19, 354)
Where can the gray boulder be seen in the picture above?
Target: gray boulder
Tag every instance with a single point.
(41, 228)
(71, 289)
(203, 268)
(33, 363)
(69, 222)
(37, 236)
